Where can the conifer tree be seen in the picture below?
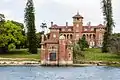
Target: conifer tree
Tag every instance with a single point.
(30, 24)
(108, 17)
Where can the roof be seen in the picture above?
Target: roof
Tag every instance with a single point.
(98, 26)
(51, 41)
(77, 15)
(55, 26)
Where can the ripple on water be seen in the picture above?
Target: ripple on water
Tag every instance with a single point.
(59, 73)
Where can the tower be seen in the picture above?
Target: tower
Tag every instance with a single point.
(62, 50)
(77, 26)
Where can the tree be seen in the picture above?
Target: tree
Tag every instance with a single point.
(38, 35)
(30, 24)
(77, 53)
(10, 35)
(43, 26)
(108, 17)
(114, 46)
(83, 43)
(23, 43)
(2, 18)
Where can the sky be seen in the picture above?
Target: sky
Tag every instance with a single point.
(60, 11)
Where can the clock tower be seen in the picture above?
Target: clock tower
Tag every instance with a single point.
(77, 26)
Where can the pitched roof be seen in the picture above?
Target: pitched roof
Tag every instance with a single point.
(55, 26)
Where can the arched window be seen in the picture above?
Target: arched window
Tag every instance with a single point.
(71, 36)
(93, 36)
(67, 36)
(90, 36)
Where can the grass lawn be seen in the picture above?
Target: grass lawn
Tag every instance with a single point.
(96, 55)
(22, 53)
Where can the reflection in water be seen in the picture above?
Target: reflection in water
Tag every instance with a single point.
(59, 73)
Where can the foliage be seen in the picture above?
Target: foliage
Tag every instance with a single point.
(83, 43)
(116, 35)
(77, 52)
(30, 24)
(43, 26)
(23, 43)
(108, 17)
(11, 34)
(2, 18)
(38, 35)
(11, 46)
(18, 24)
(114, 46)
(95, 54)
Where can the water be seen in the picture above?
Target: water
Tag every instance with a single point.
(59, 73)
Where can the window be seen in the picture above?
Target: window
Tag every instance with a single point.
(52, 56)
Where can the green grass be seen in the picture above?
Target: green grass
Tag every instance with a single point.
(21, 53)
(90, 55)
(96, 55)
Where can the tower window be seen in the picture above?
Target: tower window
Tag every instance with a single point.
(77, 18)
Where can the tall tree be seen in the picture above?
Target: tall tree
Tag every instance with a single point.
(108, 17)
(30, 24)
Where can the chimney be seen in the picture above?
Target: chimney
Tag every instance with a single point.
(104, 23)
(51, 24)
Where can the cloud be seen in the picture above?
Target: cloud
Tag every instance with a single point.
(6, 0)
(59, 11)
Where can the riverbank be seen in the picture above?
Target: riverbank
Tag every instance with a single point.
(19, 63)
(93, 57)
(37, 63)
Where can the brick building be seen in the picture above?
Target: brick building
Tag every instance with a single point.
(56, 48)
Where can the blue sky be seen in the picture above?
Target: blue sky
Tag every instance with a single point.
(60, 11)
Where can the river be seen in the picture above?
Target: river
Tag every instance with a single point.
(59, 73)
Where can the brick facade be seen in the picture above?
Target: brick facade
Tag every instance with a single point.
(57, 50)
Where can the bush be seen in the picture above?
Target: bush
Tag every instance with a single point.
(114, 46)
(77, 52)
